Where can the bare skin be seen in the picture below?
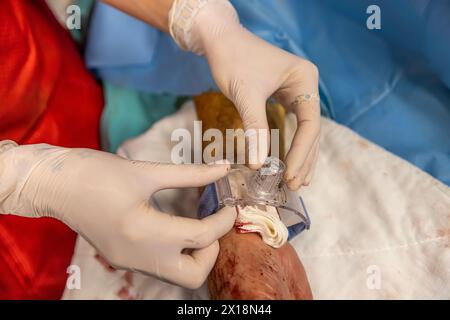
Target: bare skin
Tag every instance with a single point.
(247, 268)
(154, 12)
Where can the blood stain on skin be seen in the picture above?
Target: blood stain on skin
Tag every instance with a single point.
(235, 292)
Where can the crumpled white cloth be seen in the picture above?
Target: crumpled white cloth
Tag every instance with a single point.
(380, 226)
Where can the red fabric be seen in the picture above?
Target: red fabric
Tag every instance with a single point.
(46, 95)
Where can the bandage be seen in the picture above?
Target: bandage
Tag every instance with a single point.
(265, 221)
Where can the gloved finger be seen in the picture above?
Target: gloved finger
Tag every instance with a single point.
(302, 80)
(195, 267)
(201, 233)
(308, 129)
(300, 176)
(310, 174)
(166, 176)
(256, 126)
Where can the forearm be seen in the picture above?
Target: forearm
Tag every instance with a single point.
(190, 32)
(153, 12)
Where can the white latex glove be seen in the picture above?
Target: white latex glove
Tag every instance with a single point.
(248, 70)
(105, 198)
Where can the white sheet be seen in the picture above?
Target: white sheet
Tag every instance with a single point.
(380, 226)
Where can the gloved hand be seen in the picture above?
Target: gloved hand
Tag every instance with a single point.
(248, 70)
(105, 198)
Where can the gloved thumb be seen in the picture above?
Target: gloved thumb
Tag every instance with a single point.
(196, 266)
(202, 236)
(257, 133)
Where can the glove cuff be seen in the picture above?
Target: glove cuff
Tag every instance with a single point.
(5, 145)
(7, 178)
(182, 18)
(16, 165)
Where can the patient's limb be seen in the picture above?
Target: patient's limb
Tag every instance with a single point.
(248, 268)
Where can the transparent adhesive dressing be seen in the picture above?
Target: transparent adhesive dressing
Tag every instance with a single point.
(257, 194)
